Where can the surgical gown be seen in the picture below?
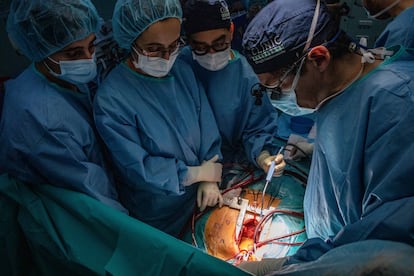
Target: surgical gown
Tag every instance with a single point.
(400, 31)
(155, 128)
(360, 184)
(47, 136)
(245, 128)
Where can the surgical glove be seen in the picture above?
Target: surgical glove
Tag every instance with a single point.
(209, 171)
(264, 161)
(301, 150)
(208, 194)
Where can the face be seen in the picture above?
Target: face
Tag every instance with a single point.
(374, 6)
(281, 78)
(161, 39)
(211, 41)
(81, 49)
(285, 79)
(308, 86)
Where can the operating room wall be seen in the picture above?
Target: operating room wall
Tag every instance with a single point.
(356, 23)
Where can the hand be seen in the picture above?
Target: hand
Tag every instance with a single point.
(264, 160)
(208, 194)
(209, 171)
(301, 150)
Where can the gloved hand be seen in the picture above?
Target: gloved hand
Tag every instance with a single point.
(301, 150)
(264, 160)
(208, 194)
(209, 171)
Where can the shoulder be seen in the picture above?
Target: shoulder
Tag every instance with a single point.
(183, 67)
(243, 68)
(115, 82)
(29, 78)
(186, 55)
(31, 91)
(396, 74)
(408, 13)
(185, 59)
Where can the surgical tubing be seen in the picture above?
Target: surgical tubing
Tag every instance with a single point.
(269, 215)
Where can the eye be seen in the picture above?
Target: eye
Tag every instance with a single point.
(200, 47)
(154, 49)
(92, 48)
(220, 45)
(173, 46)
(74, 54)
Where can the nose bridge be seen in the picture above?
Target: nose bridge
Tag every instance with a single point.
(165, 54)
(86, 53)
(210, 49)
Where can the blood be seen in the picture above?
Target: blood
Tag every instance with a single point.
(249, 228)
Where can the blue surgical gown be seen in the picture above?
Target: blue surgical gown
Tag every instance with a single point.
(47, 136)
(360, 184)
(245, 128)
(284, 125)
(400, 31)
(155, 128)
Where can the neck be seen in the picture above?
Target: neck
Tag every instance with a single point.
(351, 69)
(232, 55)
(403, 5)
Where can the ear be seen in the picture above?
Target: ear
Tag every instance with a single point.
(320, 57)
(231, 30)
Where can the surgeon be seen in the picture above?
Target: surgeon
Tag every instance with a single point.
(400, 31)
(248, 129)
(47, 130)
(359, 187)
(156, 121)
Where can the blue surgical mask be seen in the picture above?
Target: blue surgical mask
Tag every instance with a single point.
(154, 66)
(78, 71)
(287, 104)
(214, 61)
(286, 101)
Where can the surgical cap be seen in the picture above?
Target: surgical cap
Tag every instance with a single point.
(277, 35)
(132, 17)
(39, 28)
(205, 15)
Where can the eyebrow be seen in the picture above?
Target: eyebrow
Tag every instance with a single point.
(160, 44)
(215, 40)
(78, 47)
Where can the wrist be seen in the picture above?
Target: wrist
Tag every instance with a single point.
(192, 175)
(262, 157)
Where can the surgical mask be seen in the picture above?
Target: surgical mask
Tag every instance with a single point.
(78, 71)
(382, 14)
(214, 61)
(287, 104)
(286, 101)
(154, 66)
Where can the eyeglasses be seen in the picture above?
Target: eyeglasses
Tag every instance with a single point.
(157, 50)
(275, 90)
(200, 48)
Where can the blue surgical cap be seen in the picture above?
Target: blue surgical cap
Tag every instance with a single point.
(132, 17)
(277, 35)
(39, 28)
